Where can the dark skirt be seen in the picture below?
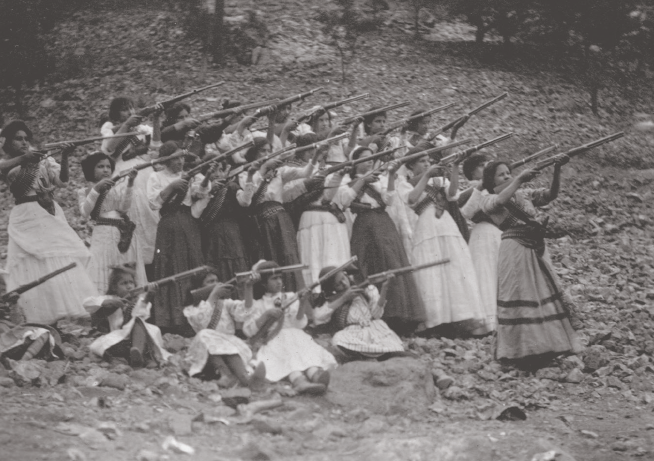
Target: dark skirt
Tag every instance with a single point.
(178, 248)
(378, 247)
(224, 247)
(278, 239)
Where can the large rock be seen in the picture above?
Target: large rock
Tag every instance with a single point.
(396, 386)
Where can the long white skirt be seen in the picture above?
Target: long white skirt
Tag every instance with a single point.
(104, 249)
(322, 241)
(449, 291)
(211, 342)
(484, 246)
(40, 243)
(145, 218)
(292, 350)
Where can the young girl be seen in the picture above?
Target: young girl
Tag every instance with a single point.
(122, 316)
(40, 239)
(485, 238)
(533, 322)
(215, 346)
(450, 292)
(377, 244)
(291, 353)
(127, 153)
(356, 314)
(112, 241)
(179, 242)
(20, 341)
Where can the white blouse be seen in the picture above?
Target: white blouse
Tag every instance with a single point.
(114, 203)
(159, 180)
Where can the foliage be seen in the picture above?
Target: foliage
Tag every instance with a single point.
(343, 24)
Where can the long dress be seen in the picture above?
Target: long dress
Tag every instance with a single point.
(106, 235)
(145, 218)
(222, 230)
(450, 291)
(179, 244)
(216, 333)
(531, 316)
(292, 349)
(276, 233)
(322, 233)
(360, 326)
(120, 326)
(41, 241)
(484, 245)
(378, 247)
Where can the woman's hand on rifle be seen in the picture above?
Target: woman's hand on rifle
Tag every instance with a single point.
(179, 185)
(133, 121)
(131, 176)
(111, 305)
(221, 291)
(104, 185)
(560, 161)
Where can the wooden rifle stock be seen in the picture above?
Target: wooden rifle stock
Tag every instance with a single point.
(329, 106)
(28, 286)
(170, 279)
(300, 97)
(169, 102)
(404, 121)
(349, 120)
(474, 111)
(532, 157)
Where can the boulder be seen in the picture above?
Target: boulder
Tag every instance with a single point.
(396, 386)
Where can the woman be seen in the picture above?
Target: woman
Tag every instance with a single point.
(40, 239)
(131, 151)
(485, 238)
(376, 242)
(450, 291)
(112, 241)
(178, 245)
(533, 323)
(276, 233)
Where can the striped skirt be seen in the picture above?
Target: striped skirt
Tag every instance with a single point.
(532, 319)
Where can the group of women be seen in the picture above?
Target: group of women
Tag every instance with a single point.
(389, 213)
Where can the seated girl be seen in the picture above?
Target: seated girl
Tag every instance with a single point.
(20, 341)
(356, 314)
(122, 316)
(288, 351)
(216, 347)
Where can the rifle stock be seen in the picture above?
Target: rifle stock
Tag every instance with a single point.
(351, 163)
(169, 102)
(173, 278)
(290, 100)
(28, 286)
(404, 121)
(329, 106)
(349, 120)
(474, 111)
(383, 276)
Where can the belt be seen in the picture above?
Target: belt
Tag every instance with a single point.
(267, 210)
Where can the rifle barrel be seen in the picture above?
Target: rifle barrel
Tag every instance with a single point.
(375, 111)
(531, 157)
(28, 286)
(81, 142)
(172, 278)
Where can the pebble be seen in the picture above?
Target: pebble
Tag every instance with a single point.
(590, 434)
(236, 397)
(181, 424)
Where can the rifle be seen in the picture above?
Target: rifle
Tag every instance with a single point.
(169, 102)
(263, 335)
(198, 168)
(145, 165)
(434, 150)
(457, 156)
(474, 111)
(245, 166)
(383, 276)
(578, 150)
(233, 110)
(533, 157)
(329, 106)
(349, 120)
(170, 279)
(201, 294)
(405, 121)
(28, 286)
(272, 108)
(81, 142)
(351, 163)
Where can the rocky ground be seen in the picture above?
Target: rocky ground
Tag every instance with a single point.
(597, 406)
